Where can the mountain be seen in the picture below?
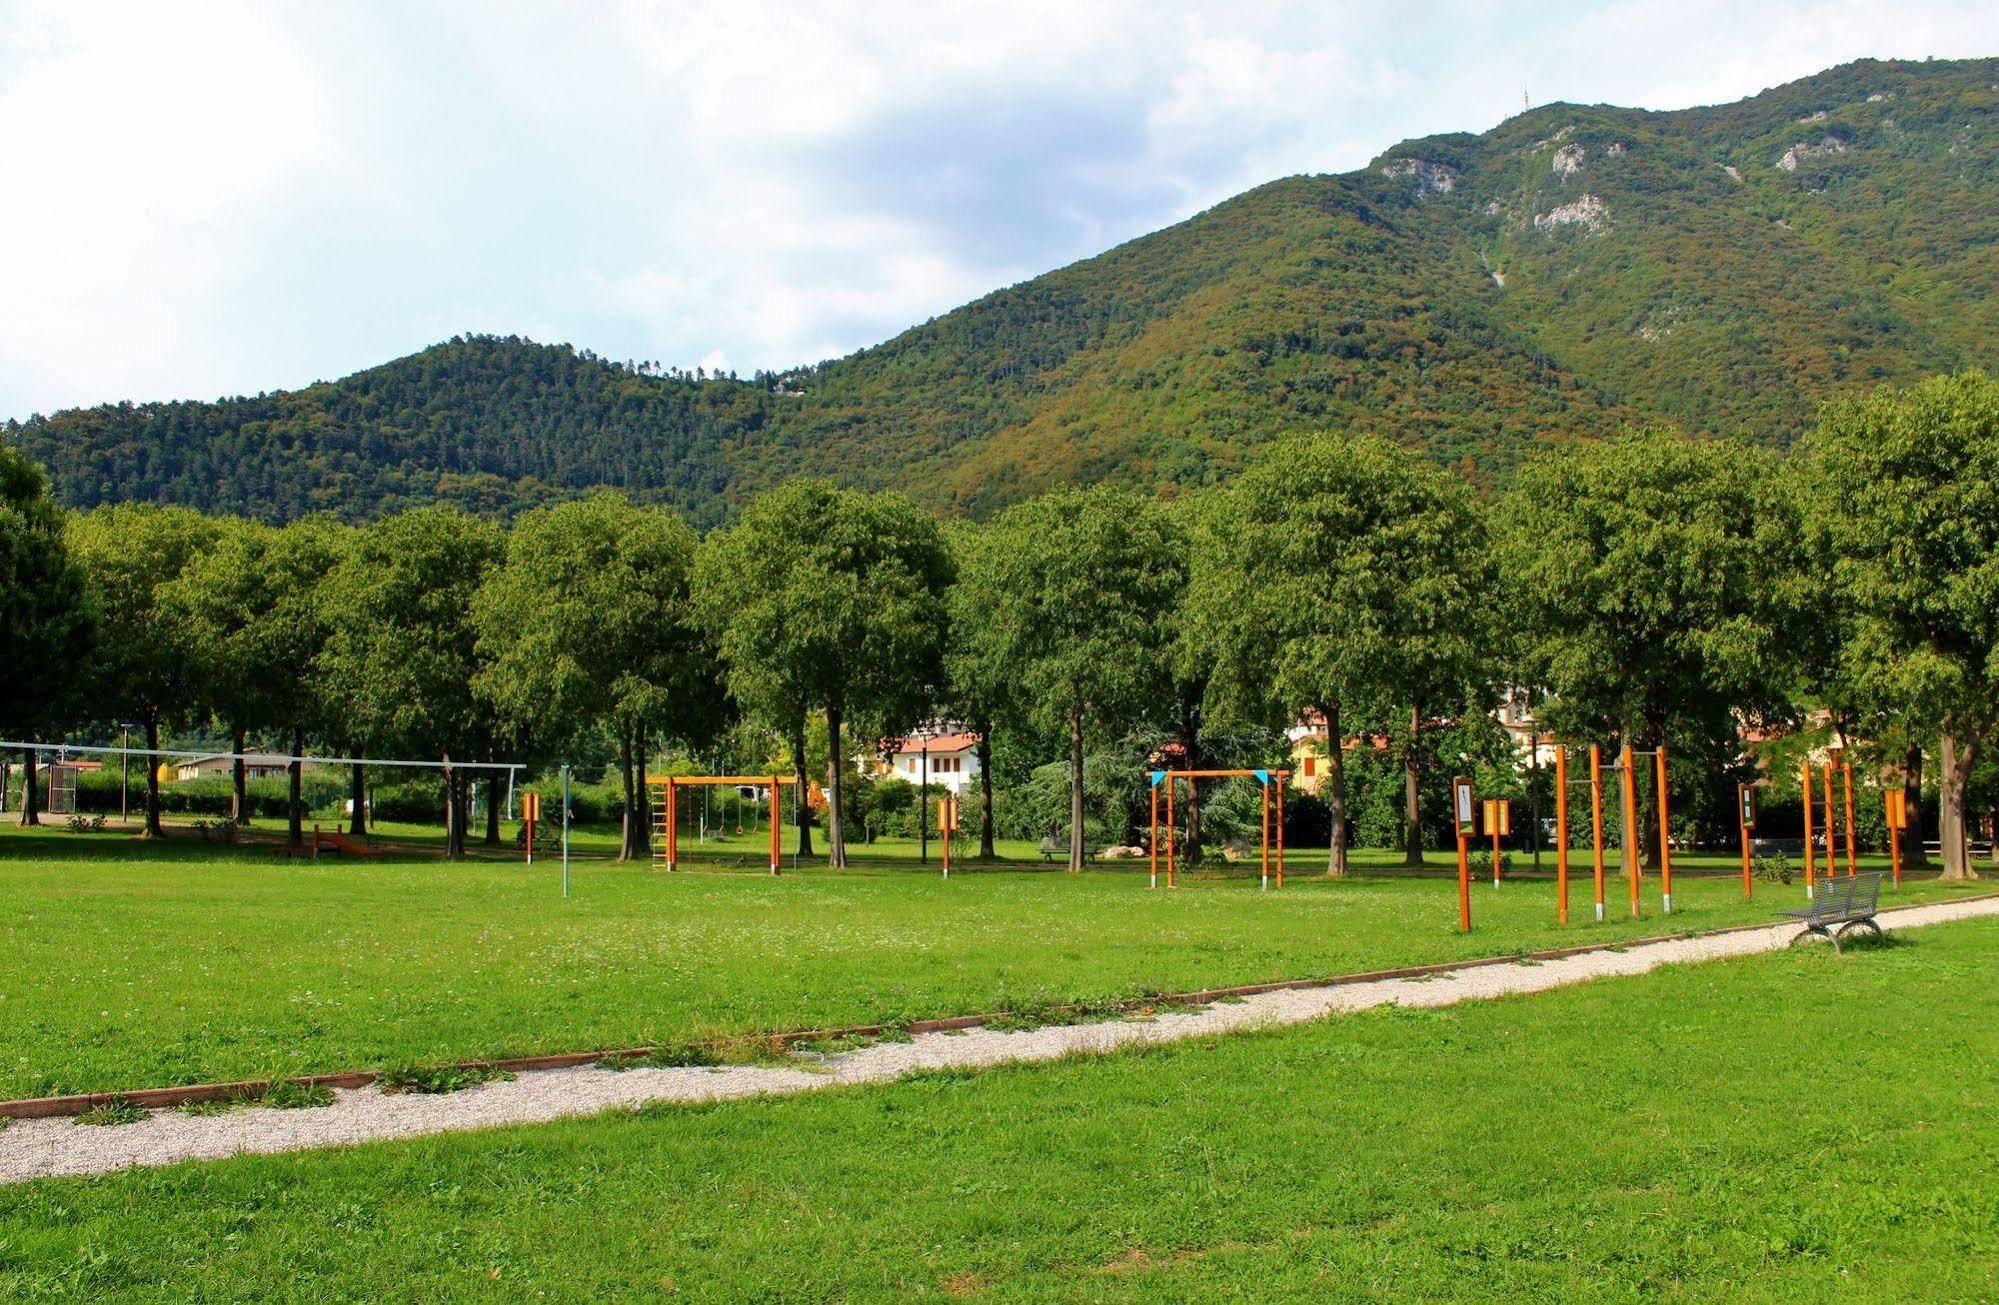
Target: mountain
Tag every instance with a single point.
(1573, 270)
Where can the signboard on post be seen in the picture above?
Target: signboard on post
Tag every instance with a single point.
(1745, 800)
(1464, 809)
(1463, 804)
(530, 813)
(1898, 809)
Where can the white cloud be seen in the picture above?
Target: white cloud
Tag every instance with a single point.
(217, 198)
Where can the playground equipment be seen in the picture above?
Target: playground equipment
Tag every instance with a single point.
(1171, 779)
(665, 790)
(1498, 823)
(1837, 756)
(530, 815)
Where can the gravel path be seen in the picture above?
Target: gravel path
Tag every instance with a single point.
(43, 1147)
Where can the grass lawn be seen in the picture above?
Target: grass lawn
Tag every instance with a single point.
(1663, 1135)
(126, 965)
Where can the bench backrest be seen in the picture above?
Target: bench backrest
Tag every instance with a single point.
(1858, 894)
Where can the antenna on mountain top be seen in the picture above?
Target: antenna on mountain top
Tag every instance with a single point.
(1523, 99)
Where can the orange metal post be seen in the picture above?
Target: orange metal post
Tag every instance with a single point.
(1596, 821)
(1492, 818)
(1895, 834)
(1629, 784)
(672, 825)
(1171, 828)
(1831, 817)
(1464, 881)
(1283, 778)
(1748, 887)
(1665, 836)
(776, 824)
(1562, 831)
(944, 826)
(1846, 778)
(1806, 789)
(1266, 836)
(1153, 842)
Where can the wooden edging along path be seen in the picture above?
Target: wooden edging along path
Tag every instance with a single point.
(251, 1089)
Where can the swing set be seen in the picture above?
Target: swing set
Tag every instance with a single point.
(665, 791)
(1170, 779)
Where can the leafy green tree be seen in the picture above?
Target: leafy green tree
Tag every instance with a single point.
(1339, 575)
(401, 654)
(47, 623)
(592, 620)
(979, 691)
(1654, 585)
(132, 554)
(1904, 483)
(835, 602)
(249, 612)
(1073, 595)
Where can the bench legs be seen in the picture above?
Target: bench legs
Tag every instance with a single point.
(1835, 935)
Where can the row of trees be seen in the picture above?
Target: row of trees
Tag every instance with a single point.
(1650, 589)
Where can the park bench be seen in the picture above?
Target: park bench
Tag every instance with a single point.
(1840, 905)
(1054, 847)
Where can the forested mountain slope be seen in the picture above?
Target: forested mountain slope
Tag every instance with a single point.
(1575, 269)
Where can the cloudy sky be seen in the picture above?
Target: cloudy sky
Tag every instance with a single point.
(205, 199)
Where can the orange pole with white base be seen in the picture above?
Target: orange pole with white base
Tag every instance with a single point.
(1562, 832)
(1596, 821)
(1283, 778)
(776, 824)
(1266, 836)
(1154, 840)
(1806, 789)
(1462, 807)
(1665, 836)
(1897, 819)
(1171, 829)
(1831, 815)
(1630, 788)
(1846, 778)
(672, 825)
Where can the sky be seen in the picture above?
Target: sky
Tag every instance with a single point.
(203, 199)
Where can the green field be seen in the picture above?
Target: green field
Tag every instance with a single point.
(1662, 1136)
(127, 965)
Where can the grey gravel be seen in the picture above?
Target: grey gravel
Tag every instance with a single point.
(46, 1147)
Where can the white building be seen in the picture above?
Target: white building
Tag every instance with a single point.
(255, 766)
(948, 754)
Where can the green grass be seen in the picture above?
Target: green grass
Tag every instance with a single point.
(127, 965)
(1661, 1136)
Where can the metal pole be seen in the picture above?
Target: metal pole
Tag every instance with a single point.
(124, 752)
(1266, 835)
(565, 830)
(1154, 840)
(1562, 831)
(1831, 843)
(1629, 786)
(923, 807)
(1596, 821)
(1805, 788)
(1665, 837)
(1172, 829)
(1283, 778)
(1846, 778)
(1464, 879)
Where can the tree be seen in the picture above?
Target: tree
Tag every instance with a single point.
(978, 692)
(1905, 486)
(1654, 585)
(592, 620)
(50, 624)
(248, 614)
(834, 601)
(1338, 576)
(401, 654)
(1075, 592)
(132, 553)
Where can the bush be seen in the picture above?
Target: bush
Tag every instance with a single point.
(319, 787)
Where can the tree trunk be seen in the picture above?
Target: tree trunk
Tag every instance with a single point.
(1076, 838)
(1914, 856)
(492, 806)
(628, 816)
(836, 834)
(985, 755)
(1954, 761)
(152, 829)
(239, 797)
(31, 805)
(1412, 790)
(294, 799)
(357, 819)
(454, 811)
(1336, 784)
(802, 807)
